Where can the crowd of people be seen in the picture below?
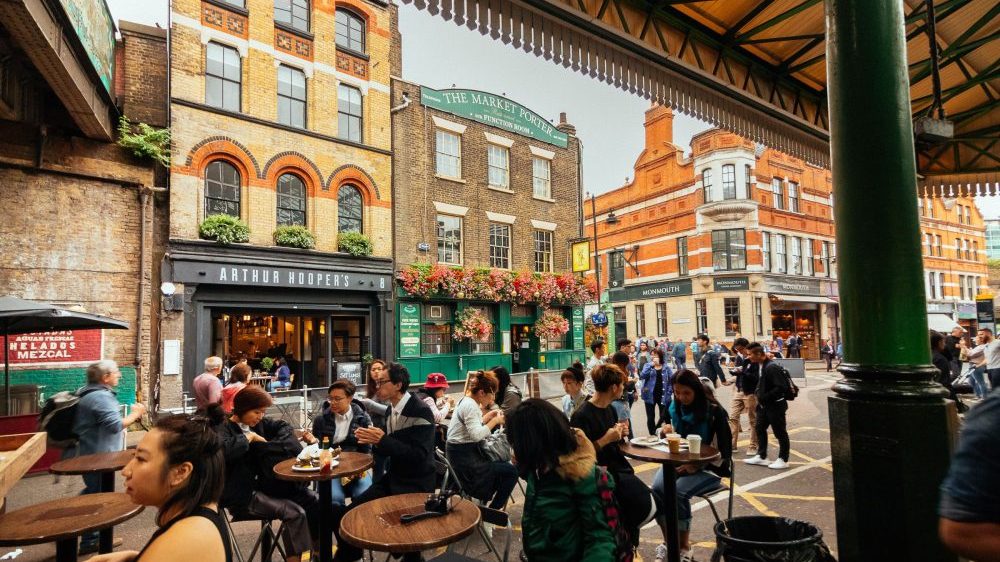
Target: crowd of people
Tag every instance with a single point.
(583, 500)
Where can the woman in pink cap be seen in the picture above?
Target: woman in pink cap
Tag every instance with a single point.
(433, 395)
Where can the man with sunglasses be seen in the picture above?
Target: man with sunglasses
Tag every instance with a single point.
(407, 443)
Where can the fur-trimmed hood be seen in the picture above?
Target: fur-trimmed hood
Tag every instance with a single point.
(580, 463)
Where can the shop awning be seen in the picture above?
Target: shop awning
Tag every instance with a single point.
(805, 298)
(941, 323)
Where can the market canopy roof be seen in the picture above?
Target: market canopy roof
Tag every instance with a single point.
(757, 67)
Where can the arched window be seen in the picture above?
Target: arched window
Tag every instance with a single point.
(291, 201)
(350, 32)
(222, 189)
(294, 13)
(349, 209)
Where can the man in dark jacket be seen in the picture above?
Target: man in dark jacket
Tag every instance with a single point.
(771, 408)
(708, 364)
(794, 345)
(744, 398)
(951, 351)
(408, 443)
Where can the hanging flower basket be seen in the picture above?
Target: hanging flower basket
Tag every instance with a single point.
(472, 324)
(496, 285)
(551, 326)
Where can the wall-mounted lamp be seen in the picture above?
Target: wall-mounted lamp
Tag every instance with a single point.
(612, 219)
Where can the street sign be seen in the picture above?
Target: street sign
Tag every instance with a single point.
(581, 256)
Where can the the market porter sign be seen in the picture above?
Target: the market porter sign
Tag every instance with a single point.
(677, 288)
(494, 111)
(258, 276)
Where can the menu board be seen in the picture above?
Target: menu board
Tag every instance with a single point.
(409, 329)
(349, 371)
(578, 328)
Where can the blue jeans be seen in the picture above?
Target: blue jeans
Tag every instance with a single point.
(688, 486)
(357, 487)
(978, 381)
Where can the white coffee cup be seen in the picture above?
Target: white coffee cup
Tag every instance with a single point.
(694, 444)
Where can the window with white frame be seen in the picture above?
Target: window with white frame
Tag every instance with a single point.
(293, 13)
(682, 255)
(748, 170)
(349, 31)
(541, 177)
(729, 250)
(824, 257)
(701, 316)
(961, 214)
(966, 246)
(777, 194)
(931, 285)
(928, 244)
(291, 96)
(499, 166)
(940, 245)
(223, 76)
(758, 309)
(706, 184)
(765, 250)
(661, 319)
(807, 257)
(940, 288)
(449, 239)
(796, 267)
(500, 245)
(975, 250)
(793, 197)
(920, 206)
(731, 313)
(729, 181)
(448, 148)
(543, 251)
(350, 114)
(291, 202)
(961, 286)
(779, 253)
(222, 189)
(640, 320)
(958, 248)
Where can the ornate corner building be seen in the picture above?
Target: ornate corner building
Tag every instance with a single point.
(280, 117)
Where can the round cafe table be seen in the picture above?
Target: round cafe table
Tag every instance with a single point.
(351, 464)
(375, 525)
(661, 454)
(105, 464)
(64, 520)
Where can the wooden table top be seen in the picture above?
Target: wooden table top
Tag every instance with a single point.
(375, 525)
(351, 464)
(65, 518)
(663, 456)
(98, 462)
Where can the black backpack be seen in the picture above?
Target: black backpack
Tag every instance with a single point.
(791, 390)
(57, 416)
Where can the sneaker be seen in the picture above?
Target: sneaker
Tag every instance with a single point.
(778, 464)
(751, 452)
(756, 460)
(661, 552)
(687, 556)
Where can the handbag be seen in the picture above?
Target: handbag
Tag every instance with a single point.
(495, 447)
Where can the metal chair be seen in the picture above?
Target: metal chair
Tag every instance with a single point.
(707, 496)
(488, 515)
(267, 540)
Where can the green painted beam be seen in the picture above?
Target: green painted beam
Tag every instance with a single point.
(778, 19)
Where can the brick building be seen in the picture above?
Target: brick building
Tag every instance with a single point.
(955, 254)
(83, 227)
(280, 117)
(733, 240)
(481, 182)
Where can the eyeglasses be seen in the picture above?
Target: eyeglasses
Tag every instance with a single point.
(380, 382)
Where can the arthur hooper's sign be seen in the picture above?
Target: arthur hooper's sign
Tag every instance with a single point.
(188, 272)
(46, 348)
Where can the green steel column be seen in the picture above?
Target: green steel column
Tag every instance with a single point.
(890, 425)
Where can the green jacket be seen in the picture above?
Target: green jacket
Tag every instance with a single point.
(563, 518)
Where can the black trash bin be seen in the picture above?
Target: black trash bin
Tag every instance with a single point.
(769, 539)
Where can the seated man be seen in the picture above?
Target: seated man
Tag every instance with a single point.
(407, 443)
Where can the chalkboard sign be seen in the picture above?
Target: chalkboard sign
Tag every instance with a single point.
(349, 371)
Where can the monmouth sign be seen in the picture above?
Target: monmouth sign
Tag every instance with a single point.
(494, 111)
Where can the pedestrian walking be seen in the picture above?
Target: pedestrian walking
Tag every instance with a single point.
(771, 408)
(977, 368)
(779, 347)
(840, 353)
(99, 426)
(696, 350)
(794, 346)
(827, 352)
(990, 349)
(206, 386)
(951, 349)
(679, 353)
(599, 349)
(708, 364)
(745, 377)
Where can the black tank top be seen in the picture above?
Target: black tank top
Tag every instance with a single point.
(213, 516)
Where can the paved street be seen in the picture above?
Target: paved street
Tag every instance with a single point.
(804, 491)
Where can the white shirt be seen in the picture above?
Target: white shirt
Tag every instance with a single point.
(588, 383)
(343, 425)
(397, 411)
(467, 423)
(989, 350)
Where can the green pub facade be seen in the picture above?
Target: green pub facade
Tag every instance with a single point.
(487, 202)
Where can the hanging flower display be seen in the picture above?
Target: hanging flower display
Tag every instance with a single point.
(472, 324)
(551, 325)
(496, 285)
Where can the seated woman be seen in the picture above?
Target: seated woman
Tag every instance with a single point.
(487, 480)
(600, 423)
(252, 444)
(376, 408)
(564, 518)
(340, 418)
(572, 381)
(433, 395)
(178, 469)
(508, 394)
(282, 375)
(693, 412)
(238, 377)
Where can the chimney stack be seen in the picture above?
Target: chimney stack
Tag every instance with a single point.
(659, 126)
(564, 126)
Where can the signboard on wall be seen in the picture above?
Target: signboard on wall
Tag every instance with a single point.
(581, 256)
(791, 286)
(578, 328)
(94, 26)
(56, 348)
(272, 276)
(349, 371)
(731, 283)
(680, 287)
(495, 111)
(984, 313)
(409, 330)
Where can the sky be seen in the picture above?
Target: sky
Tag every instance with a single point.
(440, 54)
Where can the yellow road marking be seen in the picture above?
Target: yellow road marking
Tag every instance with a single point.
(787, 497)
(757, 504)
(810, 459)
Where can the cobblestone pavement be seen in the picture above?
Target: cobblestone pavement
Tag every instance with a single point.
(804, 491)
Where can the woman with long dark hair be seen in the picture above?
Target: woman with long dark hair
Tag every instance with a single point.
(563, 519)
(508, 394)
(693, 412)
(657, 389)
(178, 468)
